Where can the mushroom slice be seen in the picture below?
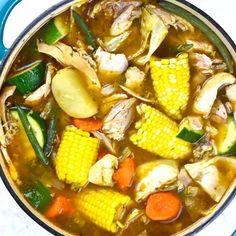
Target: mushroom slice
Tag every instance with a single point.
(153, 175)
(213, 175)
(102, 171)
(119, 119)
(207, 95)
(77, 58)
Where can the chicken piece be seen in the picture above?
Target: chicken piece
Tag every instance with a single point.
(213, 175)
(119, 119)
(102, 171)
(201, 46)
(75, 57)
(124, 21)
(153, 29)
(153, 175)
(113, 8)
(171, 19)
(111, 64)
(134, 79)
(206, 64)
(43, 91)
(231, 93)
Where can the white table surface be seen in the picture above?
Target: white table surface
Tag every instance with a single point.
(13, 221)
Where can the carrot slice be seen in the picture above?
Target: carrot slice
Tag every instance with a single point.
(60, 206)
(163, 206)
(125, 174)
(89, 124)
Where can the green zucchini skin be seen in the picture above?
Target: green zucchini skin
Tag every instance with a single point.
(204, 28)
(29, 79)
(189, 135)
(31, 136)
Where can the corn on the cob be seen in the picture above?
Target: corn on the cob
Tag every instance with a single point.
(156, 133)
(76, 154)
(171, 84)
(102, 206)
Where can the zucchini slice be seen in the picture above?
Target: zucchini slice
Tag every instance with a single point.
(189, 132)
(30, 78)
(226, 138)
(36, 122)
(56, 29)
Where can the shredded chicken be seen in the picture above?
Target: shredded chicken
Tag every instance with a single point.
(113, 8)
(124, 21)
(201, 46)
(43, 91)
(134, 79)
(119, 119)
(75, 57)
(218, 112)
(111, 64)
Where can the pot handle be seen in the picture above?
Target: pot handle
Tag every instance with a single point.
(6, 6)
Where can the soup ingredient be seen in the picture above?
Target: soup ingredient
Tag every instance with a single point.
(171, 83)
(207, 95)
(134, 79)
(133, 215)
(76, 154)
(89, 124)
(72, 95)
(5, 94)
(102, 206)
(213, 175)
(31, 136)
(102, 171)
(113, 43)
(28, 79)
(231, 93)
(111, 64)
(85, 29)
(124, 176)
(151, 26)
(156, 133)
(56, 29)
(119, 119)
(124, 21)
(154, 175)
(52, 131)
(39, 196)
(225, 140)
(43, 91)
(61, 206)
(36, 122)
(191, 129)
(107, 142)
(163, 206)
(201, 46)
(184, 48)
(218, 112)
(75, 57)
(113, 8)
(173, 20)
(133, 94)
(204, 28)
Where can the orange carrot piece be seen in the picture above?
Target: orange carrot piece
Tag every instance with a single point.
(163, 206)
(60, 206)
(89, 124)
(125, 174)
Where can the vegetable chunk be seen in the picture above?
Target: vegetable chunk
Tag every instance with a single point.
(72, 95)
(153, 175)
(156, 133)
(214, 175)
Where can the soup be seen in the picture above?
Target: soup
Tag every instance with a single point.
(119, 119)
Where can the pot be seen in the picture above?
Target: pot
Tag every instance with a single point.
(7, 56)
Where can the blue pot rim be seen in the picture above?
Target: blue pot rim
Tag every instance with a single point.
(28, 28)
